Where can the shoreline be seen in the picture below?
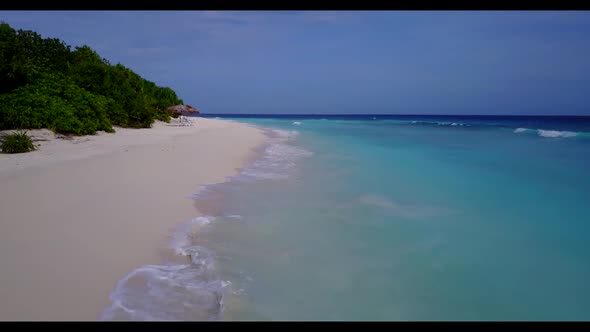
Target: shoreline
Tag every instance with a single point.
(77, 216)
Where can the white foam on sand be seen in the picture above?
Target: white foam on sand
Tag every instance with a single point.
(183, 292)
(197, 285)
(279, 159)
(181, 239)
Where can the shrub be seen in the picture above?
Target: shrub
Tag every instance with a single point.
(46, 84)
(17, 142)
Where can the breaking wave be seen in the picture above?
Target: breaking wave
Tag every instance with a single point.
(548, 133)
(439, 123)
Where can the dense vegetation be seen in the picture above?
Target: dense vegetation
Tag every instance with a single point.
(46, 84)
(16, 142)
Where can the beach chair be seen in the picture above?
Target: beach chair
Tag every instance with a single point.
(185, 121)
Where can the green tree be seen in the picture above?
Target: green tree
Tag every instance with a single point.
(44, 84)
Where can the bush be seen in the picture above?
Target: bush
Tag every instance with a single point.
(46, 84)
(17, 142)
(58, 104)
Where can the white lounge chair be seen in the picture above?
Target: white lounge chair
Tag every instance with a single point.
(185, 121)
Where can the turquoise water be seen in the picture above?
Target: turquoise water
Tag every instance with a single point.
(370, 219)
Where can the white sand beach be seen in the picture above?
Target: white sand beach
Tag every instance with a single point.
(78, 215)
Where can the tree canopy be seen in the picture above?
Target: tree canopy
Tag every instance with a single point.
(46, 84)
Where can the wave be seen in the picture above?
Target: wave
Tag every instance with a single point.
(177, 292)
(555, 133)
(441, 123)
(548, 133)
(169, 293)
(297, 123)
(279, 159)
(195, 291)
(181, 239)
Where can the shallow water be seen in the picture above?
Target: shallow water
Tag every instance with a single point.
(385, 218)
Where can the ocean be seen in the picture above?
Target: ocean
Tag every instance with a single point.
(379, 217)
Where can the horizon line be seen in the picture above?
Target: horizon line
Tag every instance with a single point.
(382, 114)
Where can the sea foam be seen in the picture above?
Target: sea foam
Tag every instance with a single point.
(279, 159)
(555, 133)
(182, 292)
(440, 123)
(181, 239)
(194, 291)
(547, 133)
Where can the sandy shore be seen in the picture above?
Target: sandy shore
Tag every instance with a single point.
(78, 215)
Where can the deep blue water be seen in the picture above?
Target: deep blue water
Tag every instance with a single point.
(564, 123)
(396, 218)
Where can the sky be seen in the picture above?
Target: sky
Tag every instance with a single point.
(389, 62)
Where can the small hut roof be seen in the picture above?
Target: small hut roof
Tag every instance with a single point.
(182, 109)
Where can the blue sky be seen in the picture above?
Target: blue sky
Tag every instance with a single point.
(420, 62)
